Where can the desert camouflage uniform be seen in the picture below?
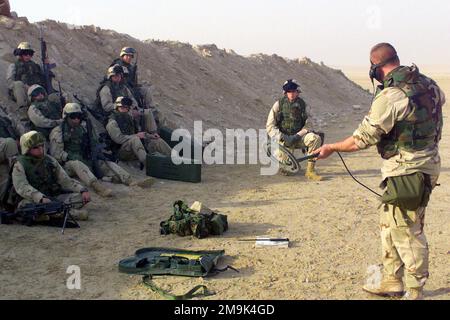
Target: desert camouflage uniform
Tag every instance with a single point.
(275, 130)
(404, 245)
(78, 167)
(19, 83)
(44, 116)
(110, 92)
(32, 195)
(131, 146)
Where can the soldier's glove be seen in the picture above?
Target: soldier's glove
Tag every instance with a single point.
(291, 141)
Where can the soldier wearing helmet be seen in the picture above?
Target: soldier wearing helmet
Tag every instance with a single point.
(288, 124)
(44, 114)
(133, 142)
(38, 177)
(21, 75)
(110, 89)
(141, 93)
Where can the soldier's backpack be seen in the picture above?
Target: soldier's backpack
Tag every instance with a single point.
(187, 222)
(151, 262)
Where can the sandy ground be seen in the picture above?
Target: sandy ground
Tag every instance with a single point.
(333, 226)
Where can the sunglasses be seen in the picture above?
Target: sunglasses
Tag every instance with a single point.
(75, 115)
(27, 53)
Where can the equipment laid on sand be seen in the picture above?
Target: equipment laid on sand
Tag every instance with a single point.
(162, 167)
(151, 262)
(269, 242)
(187, 221)
(289, 162)
(30, 213)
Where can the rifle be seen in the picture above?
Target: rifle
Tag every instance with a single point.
(62, 101)
(30, 212)
(46, 67)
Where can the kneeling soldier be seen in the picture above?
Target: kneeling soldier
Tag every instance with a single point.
(38, 178)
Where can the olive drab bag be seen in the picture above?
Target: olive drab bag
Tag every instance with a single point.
(151, 262)
(187, 222)
(408, 192)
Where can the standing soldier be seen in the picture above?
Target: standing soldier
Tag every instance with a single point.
(38, 178)
(131, 142)
(21, 75)
(405, 123)
(43, 113)
(287, 124)
(141, 93)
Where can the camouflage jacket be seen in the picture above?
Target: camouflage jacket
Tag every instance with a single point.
(28, 192)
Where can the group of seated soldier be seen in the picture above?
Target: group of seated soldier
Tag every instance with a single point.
(56, 142)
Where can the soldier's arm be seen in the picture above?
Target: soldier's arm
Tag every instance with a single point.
(57, 145)
(65, 181)
(18, 128)
(271, 126)
(39, 120)
(23, 187)
(116, 134)
(11, 75)
(106, 99)
(130, 94)
(390, 106)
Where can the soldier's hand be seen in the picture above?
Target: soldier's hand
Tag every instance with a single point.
(303, 132)
(141, 135)
(324, 152)
(154, 136)
(86, 197)
(45, 200)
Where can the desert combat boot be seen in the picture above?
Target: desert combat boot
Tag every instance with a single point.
(389, 287)
(414, 294)
(101, 189)
(311, 172)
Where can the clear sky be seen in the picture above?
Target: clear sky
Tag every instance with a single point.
(339, 33)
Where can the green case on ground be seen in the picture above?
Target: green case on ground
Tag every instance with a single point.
(162, 167)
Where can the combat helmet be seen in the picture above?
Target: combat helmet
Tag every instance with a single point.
(291, 85)
(23, 48)
(30, 140)
(72, 108)
(127, 51)
(123, 102)
(114, 70)
(35, 90)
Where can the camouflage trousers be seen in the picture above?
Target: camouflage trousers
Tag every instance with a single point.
(84, 173)
(8, 149)
(310, 142)
(404, 245)
(19, 91)
(145, 92)
(134, 148)
(66, 198)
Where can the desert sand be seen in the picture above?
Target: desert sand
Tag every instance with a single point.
(333, 227)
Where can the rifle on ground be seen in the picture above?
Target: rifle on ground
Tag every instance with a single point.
(46, 67)
(30, 212)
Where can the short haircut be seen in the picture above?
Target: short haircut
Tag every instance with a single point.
(384, 53)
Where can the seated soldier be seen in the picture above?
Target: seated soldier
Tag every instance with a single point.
(43, 113)
(9, 139)
(141, 93)
(21, 75)
(287, 124)
(133, 143)
(70, 145)
(110, 89)
(38, 178)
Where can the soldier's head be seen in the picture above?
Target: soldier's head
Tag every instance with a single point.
(291, 89)
(73, 114)
(115, 73)
(123, 104)
(36, 93)
(383, 59)
(24, 51)
(32, 144)
(127, 54)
